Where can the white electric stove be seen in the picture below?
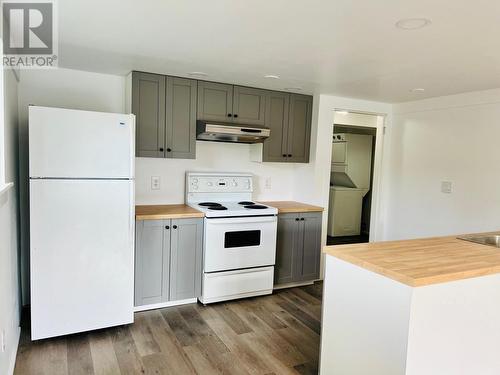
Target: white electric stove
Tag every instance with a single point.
(239, 246)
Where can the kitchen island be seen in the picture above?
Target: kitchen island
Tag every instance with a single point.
(426, 306)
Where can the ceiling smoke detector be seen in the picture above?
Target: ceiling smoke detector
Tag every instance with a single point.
(197, 74)
(418, 89)
(272, 76)
(413, 23)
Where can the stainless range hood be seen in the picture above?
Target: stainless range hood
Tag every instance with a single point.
(226, 132)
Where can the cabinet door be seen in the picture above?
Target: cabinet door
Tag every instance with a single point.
(181, 118)
(215, 101)
(286, 248)
(339, 151)
(152, 254)
(148, 105)
(310, 249)
(249, 105)
(299, 128)
(185, 261)
(277, 107)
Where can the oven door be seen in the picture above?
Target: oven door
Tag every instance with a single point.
(240, 242)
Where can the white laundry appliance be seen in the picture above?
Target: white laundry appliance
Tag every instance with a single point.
(81, 167)
(239, 246)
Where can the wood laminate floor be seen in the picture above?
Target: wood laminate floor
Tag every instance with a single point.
(276, 334)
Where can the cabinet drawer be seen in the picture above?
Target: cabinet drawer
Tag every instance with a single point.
(221, 286)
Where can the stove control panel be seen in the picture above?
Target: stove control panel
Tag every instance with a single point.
(211, 183)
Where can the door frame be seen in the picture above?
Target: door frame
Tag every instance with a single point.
(380, 127)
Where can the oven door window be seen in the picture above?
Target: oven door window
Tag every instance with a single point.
(242, 238)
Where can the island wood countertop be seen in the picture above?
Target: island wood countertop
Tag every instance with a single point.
(167, 211)
(422, 261)
(291, 206)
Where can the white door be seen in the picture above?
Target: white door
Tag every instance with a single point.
(82, 255)
(241, 242)
(80, 144)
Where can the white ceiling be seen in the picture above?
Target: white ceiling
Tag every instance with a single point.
(340, 47)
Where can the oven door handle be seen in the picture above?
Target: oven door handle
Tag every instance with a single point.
(241, 220)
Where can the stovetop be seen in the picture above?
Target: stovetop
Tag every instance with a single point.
(226, 209)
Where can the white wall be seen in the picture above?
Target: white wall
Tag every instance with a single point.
(453, 138)
(9, 244)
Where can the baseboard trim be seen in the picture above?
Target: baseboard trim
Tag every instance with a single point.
(13, 356)
(293, 285)
(165, 304)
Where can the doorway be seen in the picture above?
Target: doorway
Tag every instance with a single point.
(351, 177)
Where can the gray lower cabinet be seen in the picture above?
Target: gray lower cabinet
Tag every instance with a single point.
(165, 110)
(167, 260)
(298, 249)
(215, 101)
(289, 118)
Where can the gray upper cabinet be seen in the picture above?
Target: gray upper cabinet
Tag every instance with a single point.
(151, 262)
(289, 118)
(299, 128)
(167, 260)
(249, 105)
(215, 101)
(277, 106)
(298, 250)
(185, 261)
(148, 105)
(165, 110)
(181, 118)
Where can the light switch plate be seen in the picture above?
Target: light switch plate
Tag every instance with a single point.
(155, 182)
(446, 187)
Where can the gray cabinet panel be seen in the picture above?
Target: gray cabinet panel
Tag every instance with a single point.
(152, 252)
(286, 248)
(298, 249)
(310, 254)
(249, 105)
(185, 262)
(299, 128)
(277, 107)
(148, 105)
(181, 118)
(215, 101)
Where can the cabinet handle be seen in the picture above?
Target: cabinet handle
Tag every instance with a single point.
(175, 227)
(297, 219)
(289, 155)
(169, 149)
(235, 116)
(167, 227)
(229, 115)
(284, 155)
(302, 219)
(161, 149)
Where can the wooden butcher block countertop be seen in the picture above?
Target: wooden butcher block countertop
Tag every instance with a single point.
(167, 211)
(291, 206)
(423, 261)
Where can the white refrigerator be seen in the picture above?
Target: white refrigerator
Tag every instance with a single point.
(81, 167)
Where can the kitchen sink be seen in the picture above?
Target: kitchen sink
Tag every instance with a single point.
(488, 239)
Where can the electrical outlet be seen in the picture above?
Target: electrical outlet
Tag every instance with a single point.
(155, 182)
(446, 187)
(2, 341)
(268, 183)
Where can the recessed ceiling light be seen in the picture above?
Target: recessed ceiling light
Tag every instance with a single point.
(198, 74)
(272, 76)
(292, 89)
(413, 23)
(418, 89)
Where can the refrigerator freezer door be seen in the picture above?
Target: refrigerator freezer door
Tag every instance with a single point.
(66, 143)
(82, 255)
